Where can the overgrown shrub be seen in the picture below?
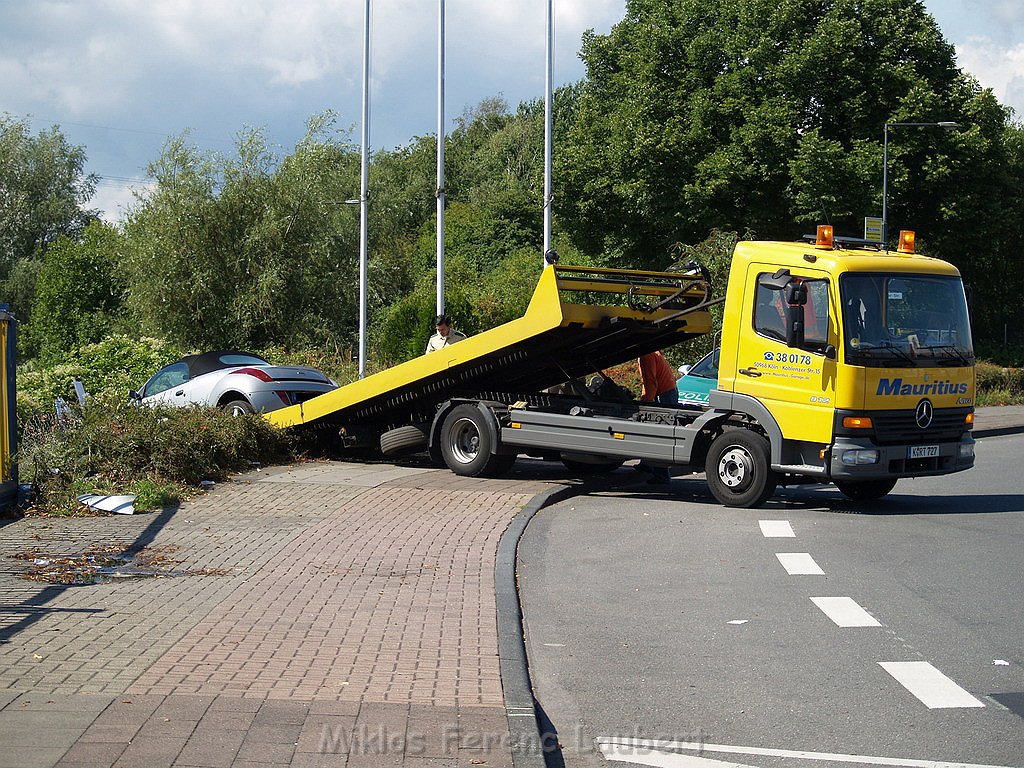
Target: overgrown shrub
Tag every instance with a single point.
(998, 385)
(108, 368)
(111, 446)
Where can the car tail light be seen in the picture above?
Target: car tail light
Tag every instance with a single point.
(285, 398)
(255, 373)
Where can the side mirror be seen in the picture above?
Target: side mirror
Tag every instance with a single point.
(133, 395)
(685, 369)
(796, 299)
(796, 294)
(795, 326)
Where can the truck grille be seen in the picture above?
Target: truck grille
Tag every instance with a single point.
(900, 427)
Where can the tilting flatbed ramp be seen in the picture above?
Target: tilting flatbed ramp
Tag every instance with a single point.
(579, 321)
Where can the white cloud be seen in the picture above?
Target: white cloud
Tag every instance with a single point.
(114, 198)
(166, 66)
(998, 67)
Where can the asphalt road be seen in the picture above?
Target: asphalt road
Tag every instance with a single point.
(664, 617)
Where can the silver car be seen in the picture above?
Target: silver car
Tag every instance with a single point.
(235, 382)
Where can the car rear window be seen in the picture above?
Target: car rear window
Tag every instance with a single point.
(229, 360)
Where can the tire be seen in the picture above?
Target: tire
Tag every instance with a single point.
(591, 468)
(238, 408)
(403, 440)
(865, 490)
(738, 469)
(467, 446)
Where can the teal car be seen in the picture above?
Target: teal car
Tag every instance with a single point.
(698, 381)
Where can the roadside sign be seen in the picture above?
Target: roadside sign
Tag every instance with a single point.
(873, 228)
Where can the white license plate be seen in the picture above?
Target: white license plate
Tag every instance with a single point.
(922, 451)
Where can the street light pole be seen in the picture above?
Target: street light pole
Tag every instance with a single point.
(945, 125)
(548, 121)
(440, 157)
(364, 189)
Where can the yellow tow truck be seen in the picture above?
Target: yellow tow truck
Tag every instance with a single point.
(840, 363)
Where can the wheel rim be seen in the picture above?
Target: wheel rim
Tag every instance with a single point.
(464, 441)
(736, 467)
(237, 410)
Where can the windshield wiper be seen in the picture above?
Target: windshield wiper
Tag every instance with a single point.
(888, 346)
(950, 348)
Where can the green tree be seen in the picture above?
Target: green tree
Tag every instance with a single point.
(78, 296)
(755, 114)
(42, 188)
(251, 250)
(768, 115)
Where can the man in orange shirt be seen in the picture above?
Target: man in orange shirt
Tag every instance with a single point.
(659, 379)
(659, 386)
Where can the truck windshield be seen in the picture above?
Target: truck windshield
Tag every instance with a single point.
(905, 320)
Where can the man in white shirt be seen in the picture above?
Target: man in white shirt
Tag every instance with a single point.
(444, 336)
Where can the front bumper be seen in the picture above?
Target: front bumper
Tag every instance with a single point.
(895, 461)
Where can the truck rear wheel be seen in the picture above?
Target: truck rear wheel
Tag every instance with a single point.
(738, 469)
(865, 490)
(467, 444)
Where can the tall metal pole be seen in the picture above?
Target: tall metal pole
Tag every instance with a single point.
(548, 121)
(364, 189)
(440, 157)
(885, 187)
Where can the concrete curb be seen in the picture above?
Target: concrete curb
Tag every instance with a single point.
(528, 740)
(1013, 429)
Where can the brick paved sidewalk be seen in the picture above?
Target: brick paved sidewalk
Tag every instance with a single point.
(329, 614)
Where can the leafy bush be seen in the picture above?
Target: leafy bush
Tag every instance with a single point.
(110, 367)
(157, 453)
(998, 385)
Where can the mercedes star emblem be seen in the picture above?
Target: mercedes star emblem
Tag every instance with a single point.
(925, 412)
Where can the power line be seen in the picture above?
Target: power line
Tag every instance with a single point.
(120, 181)
(142, 131)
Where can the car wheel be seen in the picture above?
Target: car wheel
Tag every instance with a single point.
(238, 408)
(738, 469)
(865, 490)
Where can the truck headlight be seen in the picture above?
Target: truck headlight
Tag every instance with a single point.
(966, 450)
(860, 456)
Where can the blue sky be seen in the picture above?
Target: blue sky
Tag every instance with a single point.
(120, 76)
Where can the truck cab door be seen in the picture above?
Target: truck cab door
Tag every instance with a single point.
(796, 384)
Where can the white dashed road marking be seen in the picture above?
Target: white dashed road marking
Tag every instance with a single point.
(642, 756)
(845, 612)
(934, 689)
(799, 564)
(777, 529)
(643, 751)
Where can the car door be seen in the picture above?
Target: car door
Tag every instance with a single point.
(796, 385)
(168, 385)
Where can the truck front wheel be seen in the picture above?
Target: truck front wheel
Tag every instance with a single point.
(865, 490)
(467, 444)
(738, 469)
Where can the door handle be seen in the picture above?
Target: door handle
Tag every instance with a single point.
(179, 393)
(749, 372)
